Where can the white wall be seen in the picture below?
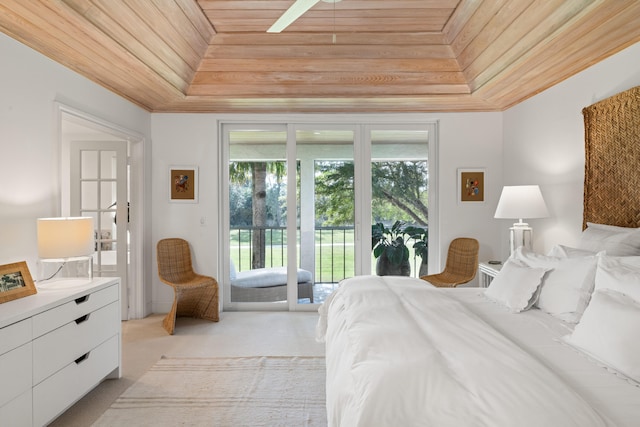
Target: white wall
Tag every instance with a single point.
(29, 147)
(544, 144)
(471, 140)
(465, 140)
(185, 140)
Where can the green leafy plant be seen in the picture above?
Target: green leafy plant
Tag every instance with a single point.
(421, 241)
(392, 242)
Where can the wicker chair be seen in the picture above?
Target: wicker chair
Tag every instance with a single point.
(461, 267)
(195, 295)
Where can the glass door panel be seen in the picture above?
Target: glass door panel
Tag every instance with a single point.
(257, 171)
(399, 196)
(327, 207)
(99, 189)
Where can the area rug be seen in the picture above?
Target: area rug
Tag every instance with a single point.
(236, 391)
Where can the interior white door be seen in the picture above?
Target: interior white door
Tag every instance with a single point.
(99, 189)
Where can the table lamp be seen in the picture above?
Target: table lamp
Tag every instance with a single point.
(62, 240)
(518, 202)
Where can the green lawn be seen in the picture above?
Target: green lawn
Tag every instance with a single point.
(334, 256)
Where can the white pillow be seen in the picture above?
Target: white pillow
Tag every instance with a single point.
(608, 332)
(567, 287)
(607, 227)
(561, 251)
(616, 241)
(515, 286)
(621, 274)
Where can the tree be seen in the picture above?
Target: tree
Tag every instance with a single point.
(399, 191)
(256, 173)
(334, 193)
(404, 185)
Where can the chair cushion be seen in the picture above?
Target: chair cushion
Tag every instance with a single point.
(267, 277)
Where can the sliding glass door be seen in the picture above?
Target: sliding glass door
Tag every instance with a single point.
(256, 213)
(299, 201)
(400, 189)
(327, 205)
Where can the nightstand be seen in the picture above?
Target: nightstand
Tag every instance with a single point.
(488, 272)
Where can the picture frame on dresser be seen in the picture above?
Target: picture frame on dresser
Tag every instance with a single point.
(15, 281)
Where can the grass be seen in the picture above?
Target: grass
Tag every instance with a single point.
(334, 253)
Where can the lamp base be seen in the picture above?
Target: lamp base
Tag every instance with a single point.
(520, 235)
(75, 267)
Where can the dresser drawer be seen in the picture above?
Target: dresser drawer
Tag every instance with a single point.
(72, 310)
(58, 348)
(15, 335)
(19, 411)
(15, 373)
(54, 395)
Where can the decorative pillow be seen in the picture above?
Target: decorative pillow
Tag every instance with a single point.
(567, 287)
(608, 332)
(616, 241)
(621, 274)
(560, 251)
(515, 286)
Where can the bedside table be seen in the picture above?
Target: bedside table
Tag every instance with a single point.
(488, 272)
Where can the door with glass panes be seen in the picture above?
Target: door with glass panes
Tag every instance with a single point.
(99, 189)
(300, 202)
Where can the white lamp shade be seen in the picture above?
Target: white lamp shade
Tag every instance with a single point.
(65, 237)
(521, 201)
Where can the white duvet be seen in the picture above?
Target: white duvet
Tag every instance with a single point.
(401, 353)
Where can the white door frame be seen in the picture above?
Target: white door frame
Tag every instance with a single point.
(140, 179)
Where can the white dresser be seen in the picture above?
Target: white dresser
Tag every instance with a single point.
(56, 346)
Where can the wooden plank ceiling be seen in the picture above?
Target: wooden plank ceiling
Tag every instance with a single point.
(388, 55)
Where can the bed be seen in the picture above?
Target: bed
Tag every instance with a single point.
(553, 341)
(403, 353)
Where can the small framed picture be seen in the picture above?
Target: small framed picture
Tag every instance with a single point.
(183, 184)
(15, 281)
(471, 184)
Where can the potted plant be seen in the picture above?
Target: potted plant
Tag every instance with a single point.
(390, 248)
(420, 247)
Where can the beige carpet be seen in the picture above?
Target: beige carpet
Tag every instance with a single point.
(225, 391)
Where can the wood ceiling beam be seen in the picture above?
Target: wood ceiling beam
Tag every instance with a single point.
(337, 51)
(325, 38)
(331, 65)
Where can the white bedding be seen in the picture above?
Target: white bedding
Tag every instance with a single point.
(402, 353)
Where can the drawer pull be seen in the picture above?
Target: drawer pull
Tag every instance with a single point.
(82, 299)
(82, 358)
(82, 319)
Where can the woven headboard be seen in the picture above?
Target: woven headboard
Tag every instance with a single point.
(612, 162)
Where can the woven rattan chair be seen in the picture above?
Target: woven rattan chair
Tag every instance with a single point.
(195, 295)
(461, 267)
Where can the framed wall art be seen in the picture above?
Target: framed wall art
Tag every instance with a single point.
(183, 184)
(471, 183)
(15, 281)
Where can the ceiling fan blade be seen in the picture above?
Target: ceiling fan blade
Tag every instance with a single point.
(290, 15)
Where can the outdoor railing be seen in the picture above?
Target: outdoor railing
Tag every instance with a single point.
(334, 250)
